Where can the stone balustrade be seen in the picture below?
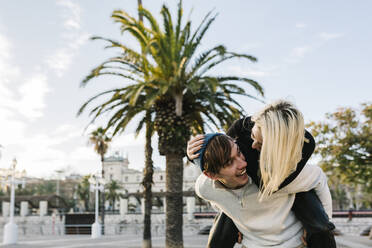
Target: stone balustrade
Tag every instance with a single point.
(352, 227)
(133, 224)
(115, 225)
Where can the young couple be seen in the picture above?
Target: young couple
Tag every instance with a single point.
(257, 177)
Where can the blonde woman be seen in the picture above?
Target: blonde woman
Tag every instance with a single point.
(278, 133)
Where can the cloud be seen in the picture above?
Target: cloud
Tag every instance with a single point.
(12, 129)
(300, 25)
(250, 46)
(4, 47)
(71, 15)
(299, 52)
(41, 153)
(38, 148)
(252, 71)
(33, 94)
(27, 99)
(60, 60)
(330, 36)
(83, 153)
(73, 38)
(21, 101)
(129, 140)
(8, 71)
(57, 149)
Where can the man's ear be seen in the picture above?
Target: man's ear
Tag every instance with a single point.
(210, 175)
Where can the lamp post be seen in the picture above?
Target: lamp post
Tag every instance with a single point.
(96, 184)
(59, 173)
(75, 198)
(11, 229)
(0, 150)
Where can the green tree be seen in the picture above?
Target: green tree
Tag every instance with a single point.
(148, 181)
(344, 143)
(175, 82)
(101, 143)
(46, 187)
(23, 189)
(149, 169)
(83, 191)
(112, 192)
(124, 112)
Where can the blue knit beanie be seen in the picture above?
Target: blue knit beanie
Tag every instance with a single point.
(207, 138)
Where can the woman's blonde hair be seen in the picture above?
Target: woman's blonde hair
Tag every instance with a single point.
(282, 128)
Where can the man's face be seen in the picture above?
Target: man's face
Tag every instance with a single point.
(233, 175)
(256, 137)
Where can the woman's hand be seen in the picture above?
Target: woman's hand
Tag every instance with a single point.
(194, 145)
(303, 238)
(240, 237)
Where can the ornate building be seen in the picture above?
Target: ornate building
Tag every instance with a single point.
(116, 167)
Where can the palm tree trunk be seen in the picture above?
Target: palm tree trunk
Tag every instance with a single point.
(102, 200)
(147, 184)
(140, 17)
(148, 173)
(178, 98)
(174, 202)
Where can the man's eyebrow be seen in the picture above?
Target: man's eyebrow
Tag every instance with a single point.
(231, 159)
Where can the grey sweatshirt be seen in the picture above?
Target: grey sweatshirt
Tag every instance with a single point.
(269, 223)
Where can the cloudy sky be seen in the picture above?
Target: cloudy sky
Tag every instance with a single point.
(314, 53)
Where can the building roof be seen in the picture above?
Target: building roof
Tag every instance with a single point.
(114, 158)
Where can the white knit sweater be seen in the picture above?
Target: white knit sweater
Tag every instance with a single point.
(269, 223)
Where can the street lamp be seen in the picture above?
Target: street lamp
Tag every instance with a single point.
(75, 197)
(0, 150)
(59, 173)
(11, 229)
(96, 184)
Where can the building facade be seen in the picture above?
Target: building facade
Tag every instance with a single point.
(116, 167)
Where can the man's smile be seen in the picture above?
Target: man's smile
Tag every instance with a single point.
(242, 173)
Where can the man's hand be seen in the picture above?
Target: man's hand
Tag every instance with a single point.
(194, 145)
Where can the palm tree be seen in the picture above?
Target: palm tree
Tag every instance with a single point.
(148, 181)
(112, 193)
(149, 170)
(124, 113)
(83, 191)
(174, 82)
(101, 142)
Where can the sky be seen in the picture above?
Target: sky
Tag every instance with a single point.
(313, 53)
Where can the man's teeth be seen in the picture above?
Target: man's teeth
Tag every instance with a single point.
(242, 172)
